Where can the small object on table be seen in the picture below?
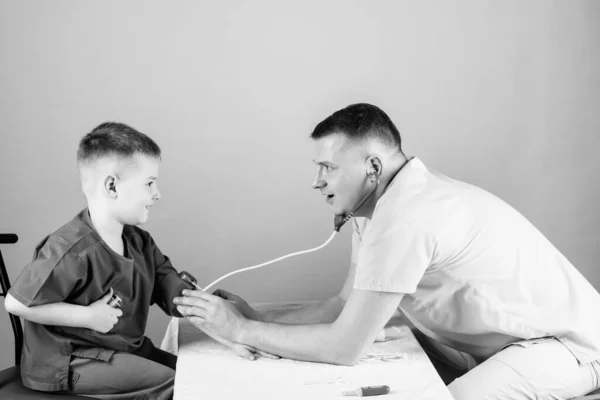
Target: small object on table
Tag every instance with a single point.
(368, 391)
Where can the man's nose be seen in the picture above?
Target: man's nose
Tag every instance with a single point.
(318, 182)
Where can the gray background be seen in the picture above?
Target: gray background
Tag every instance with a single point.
(502, 94)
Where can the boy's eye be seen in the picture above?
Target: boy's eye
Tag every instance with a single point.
(150, 183)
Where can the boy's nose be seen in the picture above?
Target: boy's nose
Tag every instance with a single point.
(157, 195)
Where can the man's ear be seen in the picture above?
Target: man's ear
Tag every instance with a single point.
(110, 186)
(374, 168)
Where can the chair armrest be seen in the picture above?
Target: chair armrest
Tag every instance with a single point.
(8, 238)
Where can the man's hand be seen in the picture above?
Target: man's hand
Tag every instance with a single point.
(211, 313)
(249, 352)
(241, 304)
(389, 333)
(102, 317)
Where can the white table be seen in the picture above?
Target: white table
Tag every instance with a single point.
(208, 370)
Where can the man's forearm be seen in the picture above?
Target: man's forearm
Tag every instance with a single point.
(58, 314)
(318, 343)
(322, 312)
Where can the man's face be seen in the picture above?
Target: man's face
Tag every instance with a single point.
(137, 190)
(341, 175)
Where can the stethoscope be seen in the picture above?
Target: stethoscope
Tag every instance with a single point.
(338, 222)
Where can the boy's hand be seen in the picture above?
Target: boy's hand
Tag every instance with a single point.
(103, 317)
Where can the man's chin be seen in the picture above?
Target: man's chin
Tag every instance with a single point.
(339, 211)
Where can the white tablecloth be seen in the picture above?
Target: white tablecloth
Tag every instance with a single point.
(208, 370)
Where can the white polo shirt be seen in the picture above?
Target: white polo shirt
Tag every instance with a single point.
(476, 274)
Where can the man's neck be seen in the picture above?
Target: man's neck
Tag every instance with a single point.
(384, 182)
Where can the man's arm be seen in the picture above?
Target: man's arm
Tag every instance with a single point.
(98, 316)
(341, 342)
(324, 312)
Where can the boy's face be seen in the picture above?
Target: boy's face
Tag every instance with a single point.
(137, 190)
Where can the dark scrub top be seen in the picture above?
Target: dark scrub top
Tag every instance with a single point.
(74, 265)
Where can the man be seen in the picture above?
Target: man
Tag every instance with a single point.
(486, 288)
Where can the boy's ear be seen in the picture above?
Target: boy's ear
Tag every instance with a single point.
(110, 186)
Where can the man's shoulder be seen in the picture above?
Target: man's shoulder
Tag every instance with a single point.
(422, 202)
(430, 195)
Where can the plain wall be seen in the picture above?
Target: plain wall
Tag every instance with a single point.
(502, 94)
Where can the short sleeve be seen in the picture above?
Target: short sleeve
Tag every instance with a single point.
(167, 284)
(52, 275)
(393, 256)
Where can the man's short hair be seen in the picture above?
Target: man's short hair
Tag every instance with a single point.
(115, 139)
(358, 122)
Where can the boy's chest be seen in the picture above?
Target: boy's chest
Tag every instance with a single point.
(131, 277)
(133, 284)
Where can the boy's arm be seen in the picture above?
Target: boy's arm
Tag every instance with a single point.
(167, 283)
(40, 292)
(98, 316)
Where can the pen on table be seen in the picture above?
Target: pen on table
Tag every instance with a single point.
(368, 391)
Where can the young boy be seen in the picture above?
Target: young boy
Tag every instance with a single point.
(74, 341)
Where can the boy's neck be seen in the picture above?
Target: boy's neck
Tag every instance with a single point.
(109, 229)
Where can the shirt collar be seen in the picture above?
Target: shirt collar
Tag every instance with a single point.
(408, 180)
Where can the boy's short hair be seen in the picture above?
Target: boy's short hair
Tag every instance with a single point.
(358, 122)
(115, 139)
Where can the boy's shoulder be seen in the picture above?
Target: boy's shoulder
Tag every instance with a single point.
(140, 237)
(76, 236)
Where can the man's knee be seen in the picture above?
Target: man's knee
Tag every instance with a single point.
(533, 369)
(492, 380)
